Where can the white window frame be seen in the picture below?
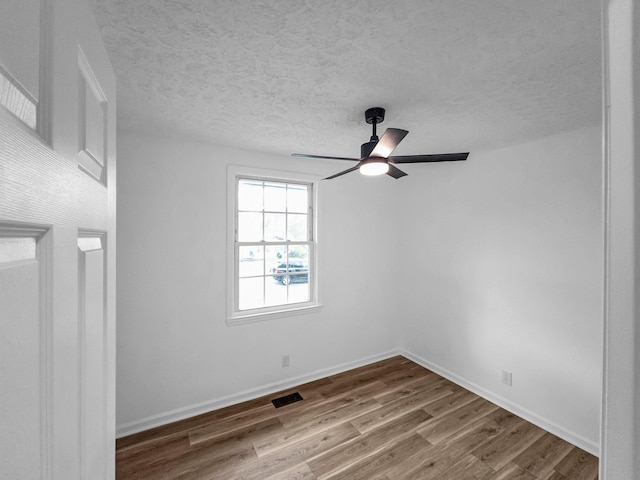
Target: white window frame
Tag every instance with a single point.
(235, 316)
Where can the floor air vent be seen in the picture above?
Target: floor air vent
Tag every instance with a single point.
(287, 399)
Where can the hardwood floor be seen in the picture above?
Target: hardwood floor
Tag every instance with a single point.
(391, 420)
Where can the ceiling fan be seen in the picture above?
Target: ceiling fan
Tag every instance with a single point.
(375, 156)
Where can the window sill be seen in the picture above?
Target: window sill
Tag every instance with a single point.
(241, 319)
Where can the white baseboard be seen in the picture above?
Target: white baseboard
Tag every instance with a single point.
(217, 403)
(549, 426)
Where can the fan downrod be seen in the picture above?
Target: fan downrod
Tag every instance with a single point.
(373, 116)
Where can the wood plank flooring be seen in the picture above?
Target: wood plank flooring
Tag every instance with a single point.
(391, 420)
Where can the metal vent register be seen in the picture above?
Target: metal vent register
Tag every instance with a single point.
(287, 399)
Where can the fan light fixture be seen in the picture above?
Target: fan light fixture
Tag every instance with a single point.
(374, 167)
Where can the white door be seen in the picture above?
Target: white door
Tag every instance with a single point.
(57, 243)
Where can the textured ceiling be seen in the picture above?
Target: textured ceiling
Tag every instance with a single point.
(283, 76)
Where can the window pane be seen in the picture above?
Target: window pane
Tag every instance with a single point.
(280, 272)
(275, 197)
(298, 267)
(299, 252)
(251, 261)
(275, 292)
(297, 228)
(275, 225)
(250, 195)
(249, 227)
(274, 256)
(251, 293)
(297, 198)
(299, 291)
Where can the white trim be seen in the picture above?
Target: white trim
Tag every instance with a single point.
(529, 416)
(242, 319)
(620, 421)
(268, 313)
(606, 124)
(217, 403)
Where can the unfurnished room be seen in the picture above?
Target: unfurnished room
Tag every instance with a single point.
(319, 240)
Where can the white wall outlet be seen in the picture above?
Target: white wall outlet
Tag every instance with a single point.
(506, 377)
(285, 361)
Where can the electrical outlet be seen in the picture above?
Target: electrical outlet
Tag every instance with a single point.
(285, 361)
(506, 377)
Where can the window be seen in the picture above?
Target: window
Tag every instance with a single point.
(274, 249)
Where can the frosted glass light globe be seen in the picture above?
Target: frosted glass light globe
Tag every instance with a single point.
(372, 168)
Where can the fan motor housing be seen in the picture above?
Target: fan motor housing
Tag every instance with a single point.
(367, 148)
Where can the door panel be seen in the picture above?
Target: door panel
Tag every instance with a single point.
(20, 360)
(93, 121)
(20, 41)
(20, 57)
(91, 323)
(24, 351)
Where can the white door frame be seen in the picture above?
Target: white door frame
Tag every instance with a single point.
(620, 427)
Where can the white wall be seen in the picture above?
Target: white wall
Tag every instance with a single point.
(504, 271)
(469, 268)
(175, 354)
